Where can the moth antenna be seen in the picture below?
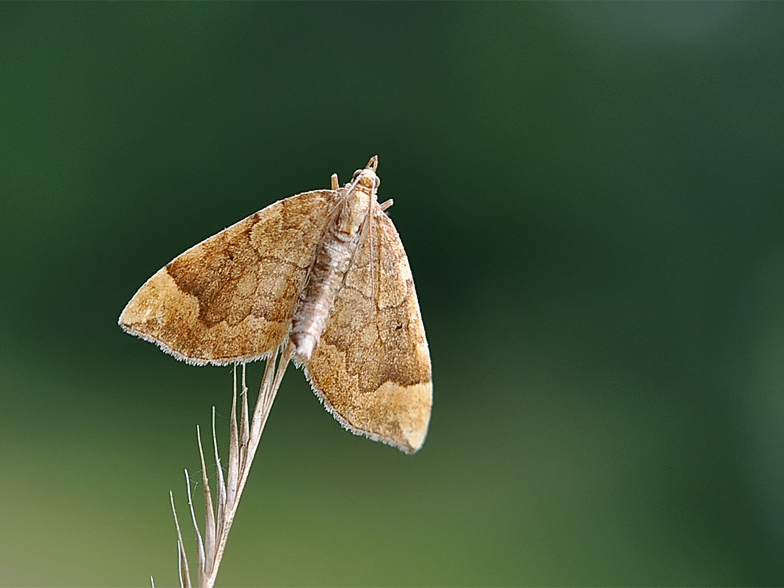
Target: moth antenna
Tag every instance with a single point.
(375, 260)
(362, 236)
(333, 213)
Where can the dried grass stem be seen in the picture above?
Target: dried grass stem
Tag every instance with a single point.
(244, 437)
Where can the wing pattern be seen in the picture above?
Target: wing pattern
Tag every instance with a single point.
(231, 297)
(372, 366)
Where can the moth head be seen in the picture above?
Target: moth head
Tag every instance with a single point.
(366, 178)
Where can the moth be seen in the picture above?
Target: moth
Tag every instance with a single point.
(322, 273)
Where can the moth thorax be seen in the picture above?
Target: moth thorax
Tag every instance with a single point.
(354, 211)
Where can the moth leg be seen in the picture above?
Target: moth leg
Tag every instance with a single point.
(387, 204)
(335, 183)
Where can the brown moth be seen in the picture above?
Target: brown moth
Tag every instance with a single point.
(322, 273)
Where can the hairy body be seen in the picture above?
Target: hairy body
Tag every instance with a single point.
(333, 259)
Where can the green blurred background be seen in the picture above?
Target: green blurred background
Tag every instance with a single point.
(591, 199)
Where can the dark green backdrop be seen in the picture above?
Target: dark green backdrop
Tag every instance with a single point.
(591, 199)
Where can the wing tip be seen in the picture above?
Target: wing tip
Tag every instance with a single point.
(411, 440)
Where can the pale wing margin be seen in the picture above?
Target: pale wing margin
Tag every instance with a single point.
(371, 368)
(231, 297)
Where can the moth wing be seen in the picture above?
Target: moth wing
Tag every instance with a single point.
(231, 297)
(371, 367)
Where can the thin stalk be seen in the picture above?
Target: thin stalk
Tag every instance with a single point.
(244, 438)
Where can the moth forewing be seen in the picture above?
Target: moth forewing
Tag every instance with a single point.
(372, 366)
(231, 297)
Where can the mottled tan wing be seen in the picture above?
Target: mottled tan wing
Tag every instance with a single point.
(231, 297)
(372, 366)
